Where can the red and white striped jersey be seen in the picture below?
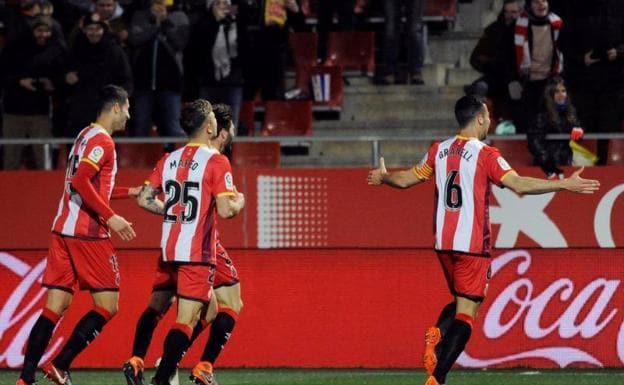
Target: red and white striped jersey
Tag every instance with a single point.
(93, 147)
(191, 179)
(463, 169)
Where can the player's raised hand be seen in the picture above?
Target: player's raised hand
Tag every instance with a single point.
(375, 177)
(122, 227)
(575, 183)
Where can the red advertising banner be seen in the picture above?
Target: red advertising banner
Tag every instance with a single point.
(312, 208)
(357, 308)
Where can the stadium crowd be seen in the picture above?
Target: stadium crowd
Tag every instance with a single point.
(57, 53)
(554, 67)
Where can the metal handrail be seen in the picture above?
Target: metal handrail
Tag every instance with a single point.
(296, 140)
(289, 140)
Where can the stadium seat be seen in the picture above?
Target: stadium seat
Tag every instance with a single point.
(353, 51)
(516, 152)
(438, 10)
(138, 155)
(246, 117)
(287, 118)
(616, 152)
(256, 154)
(303, 47)
(335, 92)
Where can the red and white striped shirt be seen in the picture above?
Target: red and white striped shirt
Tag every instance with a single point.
(191, 178)
(93, 148)
(464, 169)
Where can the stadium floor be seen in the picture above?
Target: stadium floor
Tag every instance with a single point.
(361, 377)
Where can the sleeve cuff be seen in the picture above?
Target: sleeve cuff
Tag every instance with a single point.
(87, 160)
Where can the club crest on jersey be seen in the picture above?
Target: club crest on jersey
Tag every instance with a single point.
(229, 181)
(503, 163)
(96, 154)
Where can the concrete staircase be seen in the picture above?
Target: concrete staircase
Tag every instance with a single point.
(400, 111)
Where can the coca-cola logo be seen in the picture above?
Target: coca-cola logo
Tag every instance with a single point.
(528, 308)
(21, 309)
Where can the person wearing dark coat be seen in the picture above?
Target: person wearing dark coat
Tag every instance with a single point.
(95, 61)
(268, 30)
(494, 57)
(556, 116)
(593, 46)
(214, 57)
(32, 69)
(157, 38)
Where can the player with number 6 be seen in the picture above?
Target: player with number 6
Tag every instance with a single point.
(463, 168)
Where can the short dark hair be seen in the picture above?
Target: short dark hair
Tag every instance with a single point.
(223, 114)
(109, 95)
(194, 115)
(466, 109)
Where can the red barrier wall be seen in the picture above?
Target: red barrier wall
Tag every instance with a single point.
(335, 208)
(359, 308)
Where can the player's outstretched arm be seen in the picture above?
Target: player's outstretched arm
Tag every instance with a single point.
(573, 183)
(120, 192)
(397, 179)
(147, 199)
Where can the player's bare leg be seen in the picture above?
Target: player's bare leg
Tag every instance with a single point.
(223, 321)
(159, 303)
(86, 330)
(455, 339)
(178, 339)
(57, 302)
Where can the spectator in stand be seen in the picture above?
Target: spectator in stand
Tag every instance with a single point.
(109, 12)
(413, 11)
(344, 10)
(493, 56)
(195, 9)
(157, 38)
(32, 67)
(593, 46)
(20, 21)
(268, 29)
(538, 59)
(95, 61)
(557, 116)
(213, 58)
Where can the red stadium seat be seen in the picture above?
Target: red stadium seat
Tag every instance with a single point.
(287, 118)
(138, 155)
(352, 51)
(516, 152)
(246, 116)
(256, 154)
(616, 152)
(440, 9)
(303, 46)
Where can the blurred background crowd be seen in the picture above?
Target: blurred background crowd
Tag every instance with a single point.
(547, 66)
